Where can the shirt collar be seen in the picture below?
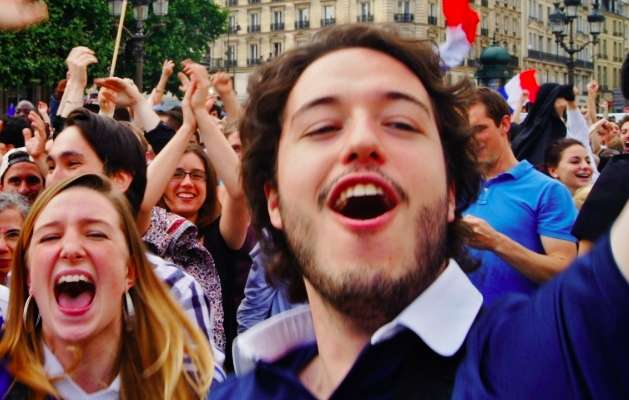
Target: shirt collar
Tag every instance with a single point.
(519, 169)
(441, 316)
(68, 389)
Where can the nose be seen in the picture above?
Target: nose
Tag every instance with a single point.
(71, 248)
(55, 175)
(24, 188)
(187, 180)
(363, 144)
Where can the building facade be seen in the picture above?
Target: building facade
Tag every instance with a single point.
(259, 30)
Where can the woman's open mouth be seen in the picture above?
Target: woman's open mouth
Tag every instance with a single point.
(74, 292)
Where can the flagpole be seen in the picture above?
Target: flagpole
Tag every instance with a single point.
(114, 59)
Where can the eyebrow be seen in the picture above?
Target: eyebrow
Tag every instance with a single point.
(84, 221)
(66, 154)
(391, 95)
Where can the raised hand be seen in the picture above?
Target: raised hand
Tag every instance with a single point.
(168, 68)
(78, 60)
(42, 107)
(189, 120)
(184, 82)
(222, 82)
(200, 79)
(592, 88)
(19, 14)
(126, 92)
(35, 139)
(107, 101)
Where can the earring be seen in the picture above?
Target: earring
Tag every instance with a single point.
(129, 311)
(25, 312)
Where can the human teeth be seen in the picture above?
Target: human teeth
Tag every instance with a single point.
(185, 195)
(73, 278)
(358, 190)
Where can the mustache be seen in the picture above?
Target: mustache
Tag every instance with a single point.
(325, 192)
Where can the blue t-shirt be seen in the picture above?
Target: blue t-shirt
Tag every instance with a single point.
(523, 204)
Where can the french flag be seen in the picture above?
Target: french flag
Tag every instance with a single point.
(525, 80)
(461, 23)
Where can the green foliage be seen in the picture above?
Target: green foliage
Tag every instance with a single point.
(37, 55)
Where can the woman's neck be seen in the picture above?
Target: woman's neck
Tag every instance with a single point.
(98, 362)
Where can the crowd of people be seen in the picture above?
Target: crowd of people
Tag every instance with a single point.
(358, 228)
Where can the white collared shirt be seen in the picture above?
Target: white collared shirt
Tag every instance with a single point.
(68, 389)
(441, 316)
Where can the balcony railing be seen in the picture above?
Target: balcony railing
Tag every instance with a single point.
(432, 20)
(484, 31)
(253, 1)
(231, 63)
(253, 28)
(302, 24)
(540, 55)
(364, 18)
(277, 26)
(404, 17)
(233, 29)
(328, 21)
(253, 61)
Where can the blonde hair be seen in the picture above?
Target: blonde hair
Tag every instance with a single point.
(580, 195)
(151, 356)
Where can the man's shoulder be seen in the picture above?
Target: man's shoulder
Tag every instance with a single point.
(274, 380)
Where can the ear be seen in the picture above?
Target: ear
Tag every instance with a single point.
(130, 275)
(121, 180)
(451, 203)
(553, 172)
(505, 125)
(273, 205)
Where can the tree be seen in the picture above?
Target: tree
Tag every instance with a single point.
(36, 55)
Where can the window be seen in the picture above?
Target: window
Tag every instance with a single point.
(302, 14)
(277, 49)
(253, 51)
(365, 8)
(328, 12)
(231, 52)
(278, 17)
(404, 7)
(254, 19)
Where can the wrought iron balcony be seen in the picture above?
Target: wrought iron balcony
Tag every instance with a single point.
(432, 20)
(404, 17)
(253, 61)
(364, 18)
(253, 28)
(328, 21)
(302, 24)
(231, 63)
(277, 26)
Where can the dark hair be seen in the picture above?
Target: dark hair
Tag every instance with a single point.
(12, 131)
(261, 127)
(555, 152)
(623, 121)
(495, 105)
(116, 146)
(211, 207)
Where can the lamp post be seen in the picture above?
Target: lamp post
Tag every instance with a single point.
(140, 13)
(561, 24)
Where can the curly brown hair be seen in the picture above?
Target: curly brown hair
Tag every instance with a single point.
(261, 128)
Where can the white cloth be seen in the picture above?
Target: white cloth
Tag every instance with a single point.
(68, 389)
(4, 301)
(441, 316)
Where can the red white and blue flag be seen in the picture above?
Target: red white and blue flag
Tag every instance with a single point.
(525, 80)
(461, 23)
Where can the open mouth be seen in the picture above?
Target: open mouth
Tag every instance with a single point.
(583, 175)
(186, 195)
(74, 292)
(363, 200)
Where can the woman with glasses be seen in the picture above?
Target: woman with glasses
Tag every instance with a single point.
(183, 175)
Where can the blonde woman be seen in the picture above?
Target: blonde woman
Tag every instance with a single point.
(87, 316)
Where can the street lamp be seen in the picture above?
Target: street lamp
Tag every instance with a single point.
(561, 25)
(141, 14)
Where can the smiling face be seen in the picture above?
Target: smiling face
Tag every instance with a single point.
(361, 184)
(574, 169)
(11, 222)
(24, 178)
(491, 140)
(187, 190)
(71, 155)
(78, 268)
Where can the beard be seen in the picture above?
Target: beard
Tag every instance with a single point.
(367, 295)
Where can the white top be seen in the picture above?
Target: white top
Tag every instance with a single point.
(4, 301)
(441, 316)
(68, 389)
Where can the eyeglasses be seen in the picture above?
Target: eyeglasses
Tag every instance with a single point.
(196, 175)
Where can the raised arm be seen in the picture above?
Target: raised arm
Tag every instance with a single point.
(18, 14)
(158, 91)
(235, 216)
(222, 82)
(515, 117)
(78, 60)
(591, 102)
